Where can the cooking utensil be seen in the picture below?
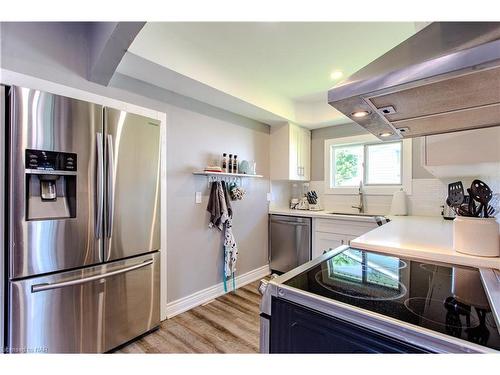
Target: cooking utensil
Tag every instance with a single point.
(455, 195)
(312, 197)
(494, 205)
(482, 194)
(463, 210)
(471, 204)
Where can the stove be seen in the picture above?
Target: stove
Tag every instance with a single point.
(444, 299)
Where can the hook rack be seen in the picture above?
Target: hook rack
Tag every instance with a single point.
(227, 177)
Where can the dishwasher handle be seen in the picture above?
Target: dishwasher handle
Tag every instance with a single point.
(299, 224)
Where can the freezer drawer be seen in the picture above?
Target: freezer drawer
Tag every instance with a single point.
(85, 311)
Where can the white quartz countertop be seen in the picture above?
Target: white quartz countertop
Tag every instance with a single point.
(421, 237)
(319, 214)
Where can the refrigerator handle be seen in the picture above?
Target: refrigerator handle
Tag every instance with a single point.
(100, 186)
(46, 286)
(110, 184)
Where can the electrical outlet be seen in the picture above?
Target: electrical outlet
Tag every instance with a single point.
(197, 197)
(269, 197)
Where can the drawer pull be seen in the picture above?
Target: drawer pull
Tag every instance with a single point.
(47, 286)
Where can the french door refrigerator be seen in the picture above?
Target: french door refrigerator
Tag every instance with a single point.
(83, 224)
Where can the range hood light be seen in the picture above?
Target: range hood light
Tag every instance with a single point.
(385, 134)
(359, 114)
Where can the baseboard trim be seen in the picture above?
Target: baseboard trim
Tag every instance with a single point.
(199, 298)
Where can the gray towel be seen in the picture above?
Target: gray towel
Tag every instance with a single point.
(228, 200)
(219, 205)
(214, 207)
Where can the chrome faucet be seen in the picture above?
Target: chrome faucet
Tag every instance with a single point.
(360, 207)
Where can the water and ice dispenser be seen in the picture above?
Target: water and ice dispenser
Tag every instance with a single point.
(50, 185)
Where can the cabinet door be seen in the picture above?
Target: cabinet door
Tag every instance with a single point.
(305, 153)
(328, 241)
(448, 149)
(294, 157)
(296, 329)
(348, 227)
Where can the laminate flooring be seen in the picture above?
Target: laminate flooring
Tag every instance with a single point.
(228, 324)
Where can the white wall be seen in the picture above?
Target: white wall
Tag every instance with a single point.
(195, 252)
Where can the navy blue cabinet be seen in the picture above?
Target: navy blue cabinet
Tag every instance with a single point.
(295, 329)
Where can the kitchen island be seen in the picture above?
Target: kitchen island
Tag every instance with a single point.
(422, 237)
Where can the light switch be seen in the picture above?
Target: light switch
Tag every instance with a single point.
(197, 197)
(269, 197)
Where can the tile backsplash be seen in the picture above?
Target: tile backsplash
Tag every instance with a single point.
(428, 195)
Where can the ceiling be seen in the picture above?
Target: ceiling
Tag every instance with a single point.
(283, 68)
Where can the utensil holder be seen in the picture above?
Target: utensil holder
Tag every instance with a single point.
(476, 236)
(315, 207)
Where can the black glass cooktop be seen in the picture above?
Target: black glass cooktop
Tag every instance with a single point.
(443, 298)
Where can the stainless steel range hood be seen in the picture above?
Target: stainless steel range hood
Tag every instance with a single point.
(443, 79)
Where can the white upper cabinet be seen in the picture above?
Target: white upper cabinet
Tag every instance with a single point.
(468, 153)
(305, 153)
(290, 152)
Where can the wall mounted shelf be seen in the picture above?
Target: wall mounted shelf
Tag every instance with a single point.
(227, 174)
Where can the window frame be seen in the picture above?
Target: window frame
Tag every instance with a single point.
(369, 189)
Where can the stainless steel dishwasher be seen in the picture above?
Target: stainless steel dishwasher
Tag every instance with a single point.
(290, 242)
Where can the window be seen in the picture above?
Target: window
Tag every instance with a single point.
(348, 165)
(383, 164)
(382, 167)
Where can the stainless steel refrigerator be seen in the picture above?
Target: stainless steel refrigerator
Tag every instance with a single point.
(83, 224)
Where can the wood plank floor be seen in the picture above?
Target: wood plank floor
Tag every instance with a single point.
(228, 324)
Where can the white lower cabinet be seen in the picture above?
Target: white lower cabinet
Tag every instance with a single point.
(328, 234)
(329, 241)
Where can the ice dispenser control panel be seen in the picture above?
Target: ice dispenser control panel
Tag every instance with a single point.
(50, 185)
(50, 160)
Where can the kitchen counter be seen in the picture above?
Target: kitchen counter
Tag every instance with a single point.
(422, 237)
(323, 214)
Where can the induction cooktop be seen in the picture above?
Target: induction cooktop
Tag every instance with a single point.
(444, 298)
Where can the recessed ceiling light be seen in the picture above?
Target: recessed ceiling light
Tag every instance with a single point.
(385, 134)
(360, 114)
(336, 74)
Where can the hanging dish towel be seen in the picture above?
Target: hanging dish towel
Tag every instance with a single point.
(221, 213)
(214, 208)
(230, 250)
